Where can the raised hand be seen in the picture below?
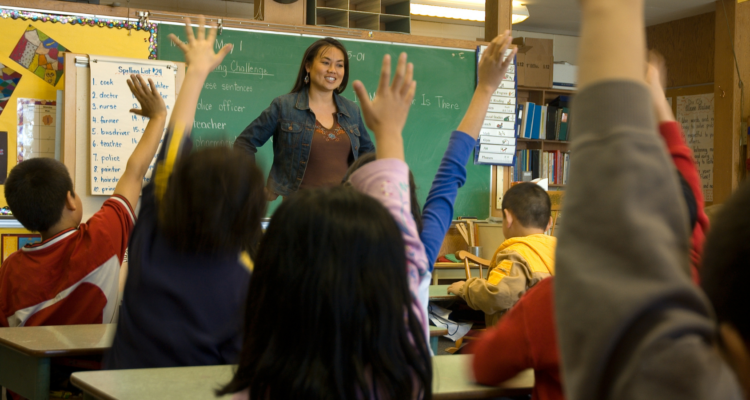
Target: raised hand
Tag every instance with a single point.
(656, 78)
(152, 104)
(199, 49)
(386, 114)
(494, 64)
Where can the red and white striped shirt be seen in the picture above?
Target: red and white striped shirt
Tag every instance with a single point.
(70, 278)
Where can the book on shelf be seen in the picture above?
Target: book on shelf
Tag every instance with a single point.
(552, 165)
(564, 117)
(538, 122)
(551, 126)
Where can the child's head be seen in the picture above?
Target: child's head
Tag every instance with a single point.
(213, 203)
(725, 275)
(329, 310)
(526, 210)
(416, 211)
(40, 193)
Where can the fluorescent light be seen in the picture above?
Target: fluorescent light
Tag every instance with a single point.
(447, 12)
(520, 13)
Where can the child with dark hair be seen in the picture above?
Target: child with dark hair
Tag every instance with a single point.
(630, 323)
(435, 220)
(723, 275)
(71, 277)
(188, 260)
(328, 257)
(525, 257)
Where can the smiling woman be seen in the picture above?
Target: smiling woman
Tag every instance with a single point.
(316, 132)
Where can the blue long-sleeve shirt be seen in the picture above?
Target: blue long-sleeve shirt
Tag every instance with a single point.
(438, 209)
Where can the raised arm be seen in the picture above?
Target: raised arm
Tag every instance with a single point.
(682, 156)
(387, 178)
(492, 68)
(451, 175)
(630, 322)
(201, 60)
(152, 106)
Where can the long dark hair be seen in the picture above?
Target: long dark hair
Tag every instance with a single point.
(312, 52)
(213, 203)
(416, 210)
(329, 314)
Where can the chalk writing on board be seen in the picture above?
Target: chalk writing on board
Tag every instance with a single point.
(355, 56)
(115, 132)
(696, 115)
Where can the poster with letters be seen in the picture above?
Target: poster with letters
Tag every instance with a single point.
(114, 131)
(696, 115)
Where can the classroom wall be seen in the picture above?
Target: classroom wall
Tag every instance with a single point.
(216, 8)
(565, 47)
(77, 38)
(688, 46)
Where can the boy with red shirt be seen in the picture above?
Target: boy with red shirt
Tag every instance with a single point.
(530, 324)
(71, 277)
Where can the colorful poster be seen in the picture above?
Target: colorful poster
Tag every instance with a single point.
(40, 54)
(3, 157)
(37, 122)
(8, 84)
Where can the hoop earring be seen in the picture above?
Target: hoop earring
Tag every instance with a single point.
(307, 78)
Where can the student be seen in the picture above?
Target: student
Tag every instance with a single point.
(682, 158)
(331, 310)
(187, 278)
(530, 324)
(437, 216)
(525, 257)
(71, 277)
(630, 322)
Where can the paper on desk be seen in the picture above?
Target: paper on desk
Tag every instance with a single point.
(439, 317)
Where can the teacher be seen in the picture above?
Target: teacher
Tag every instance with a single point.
(316, 132)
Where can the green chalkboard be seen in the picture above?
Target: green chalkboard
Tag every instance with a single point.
(263, 65)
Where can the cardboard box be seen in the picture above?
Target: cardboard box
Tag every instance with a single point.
(535, 61)
(564, 76)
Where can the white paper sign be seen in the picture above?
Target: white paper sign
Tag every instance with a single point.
(696, 115)
(115, 132)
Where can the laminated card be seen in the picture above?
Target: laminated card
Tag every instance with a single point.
(115, 131)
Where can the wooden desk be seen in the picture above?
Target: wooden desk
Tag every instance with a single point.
(440, 293)
(25, 353)
(451, 380)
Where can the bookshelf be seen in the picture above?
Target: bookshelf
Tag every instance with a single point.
(502, 177)
(376, 15)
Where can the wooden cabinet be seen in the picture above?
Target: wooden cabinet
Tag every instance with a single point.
(376, 15)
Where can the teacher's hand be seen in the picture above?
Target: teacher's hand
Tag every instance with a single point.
(270, 194)
(386, 114)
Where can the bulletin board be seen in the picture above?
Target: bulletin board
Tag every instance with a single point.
(54, 35)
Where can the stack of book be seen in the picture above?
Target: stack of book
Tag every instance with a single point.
(497, 139)
(548, 122)
(553, 165)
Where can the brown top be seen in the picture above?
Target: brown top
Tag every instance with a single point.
(330, 152)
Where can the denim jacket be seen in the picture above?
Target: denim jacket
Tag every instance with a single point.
(292, 123)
